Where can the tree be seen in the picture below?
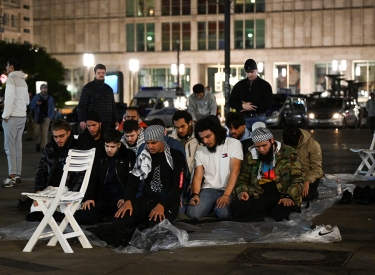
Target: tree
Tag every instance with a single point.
(38, 65)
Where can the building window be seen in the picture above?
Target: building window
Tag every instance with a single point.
(288, 78)
(210, 35)
(26, 19)
(364, 73)
(26, 7)
(172, 32)
(248, 36)
(26, 30)
(140, 37)
(210, 7)
(135, 8)
(323, 83)
(175, 7)
(248, 6)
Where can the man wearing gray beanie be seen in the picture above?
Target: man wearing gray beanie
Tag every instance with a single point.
(270, 183)
(162, 169)
(251, 96)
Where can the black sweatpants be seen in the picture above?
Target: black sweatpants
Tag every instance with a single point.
(121, 230)
(265, 206)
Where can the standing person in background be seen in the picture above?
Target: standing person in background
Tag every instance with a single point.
(98, 96)
(29, 121)
(14, 119)
(132, 113)
(42, 109)
(251, 96)
(201, 103)
(370, 108)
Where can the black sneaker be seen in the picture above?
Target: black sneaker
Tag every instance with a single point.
(38, 148)
(346, 197)
(365, 195)
(357, 193)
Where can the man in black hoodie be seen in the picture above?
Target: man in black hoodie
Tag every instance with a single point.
(51, 165)
(108, 180)
(98, 96)
(163, 170)
(93, 136)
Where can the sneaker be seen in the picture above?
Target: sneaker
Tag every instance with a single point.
(346, 197)
(323, 234)
(11, 182)
(357, 193)
(365, 195)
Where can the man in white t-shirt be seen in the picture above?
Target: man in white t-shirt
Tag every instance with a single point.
(217, 165)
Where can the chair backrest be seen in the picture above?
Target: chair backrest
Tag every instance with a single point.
(78, 161)
(373, 142)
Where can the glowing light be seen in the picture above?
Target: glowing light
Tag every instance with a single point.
(260, 67)
(334, 65)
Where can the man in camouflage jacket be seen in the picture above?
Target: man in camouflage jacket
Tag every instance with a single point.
(270, 183)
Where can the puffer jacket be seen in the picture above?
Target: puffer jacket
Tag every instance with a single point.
(48, 165)
(310, 156)
(98, 96)
(124, 164)
(16, 96)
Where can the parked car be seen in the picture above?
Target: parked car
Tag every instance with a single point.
(333, 112)
(287, 110)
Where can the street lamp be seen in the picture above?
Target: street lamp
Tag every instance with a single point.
(88, 61)
(134, 68)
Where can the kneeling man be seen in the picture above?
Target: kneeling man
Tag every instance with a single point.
(270, 183)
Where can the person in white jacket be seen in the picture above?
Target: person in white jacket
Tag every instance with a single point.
(14, 119)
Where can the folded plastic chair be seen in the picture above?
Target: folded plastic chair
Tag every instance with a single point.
(69, 201)
(367, 165)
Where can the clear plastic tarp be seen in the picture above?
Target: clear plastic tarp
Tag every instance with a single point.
(171, 236)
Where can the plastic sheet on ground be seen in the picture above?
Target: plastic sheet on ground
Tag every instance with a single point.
(167, 236)
(24, 230)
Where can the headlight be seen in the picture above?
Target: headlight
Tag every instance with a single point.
(336, 116)
(311, 116)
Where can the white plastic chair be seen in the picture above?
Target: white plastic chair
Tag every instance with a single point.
(50, 199)
(367, 165)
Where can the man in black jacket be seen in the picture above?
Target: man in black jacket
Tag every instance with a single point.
(163, 170)
(108, 180)
(51, 165)
(251, 96)
(93, 136)
(98, 96)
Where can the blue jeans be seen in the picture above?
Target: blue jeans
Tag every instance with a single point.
(251, 120)
(208, 197)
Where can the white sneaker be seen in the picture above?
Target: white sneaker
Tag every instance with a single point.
(322, 234)
(11, 182)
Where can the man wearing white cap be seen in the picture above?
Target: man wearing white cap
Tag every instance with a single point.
(163, 170)
(270, 183)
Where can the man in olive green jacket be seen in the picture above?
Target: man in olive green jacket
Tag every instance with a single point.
(270, 182)
(310, 156)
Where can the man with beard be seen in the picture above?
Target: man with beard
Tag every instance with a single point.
(270, 183)
(97, 95)
(217, 165)
(133, 138)
(237, 129)
(92, 137)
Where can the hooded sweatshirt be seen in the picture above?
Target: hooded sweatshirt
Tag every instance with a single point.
(16, 95)
(200, 108)
(310, 156)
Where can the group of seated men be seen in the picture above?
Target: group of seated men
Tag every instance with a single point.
(141, 176)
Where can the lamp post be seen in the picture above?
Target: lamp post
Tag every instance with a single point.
(134, 68)
(88, 61)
